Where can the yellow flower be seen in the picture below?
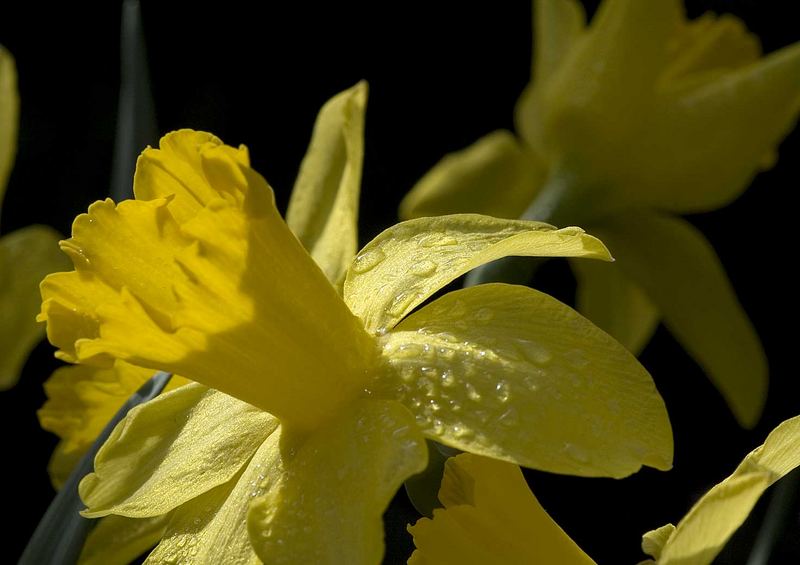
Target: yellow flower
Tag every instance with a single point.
(323, 400)
(491, 516)
(637, 117)
(26, 255)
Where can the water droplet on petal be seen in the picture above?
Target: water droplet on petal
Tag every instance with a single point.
(484, 314)
(368, 260)
(472, 392)
(447, 378)
(424, 268)
(503, 391)
(576, 358)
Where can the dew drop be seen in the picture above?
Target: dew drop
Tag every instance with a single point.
(536, 352)
(424, 268)
(438, 240)
(447, 378)
(402, 303)
(503, 391)
(530, 383)
(472, 392)
(368, 260)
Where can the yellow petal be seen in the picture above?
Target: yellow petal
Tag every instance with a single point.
(702, 533)
(212, 528)
(142, 469)
(26, 256)
(175, 170)
(9, 117)
(606, 83)
(511, 373)
(147, 289)
(678, 269)
(81, 401)
(495, 176)
(410, 261)
(557, 25)
(653, 542)
(717, 130)
(490, 516)
(337, 486)
(710, 43)
(121, 540)
(323, 209)
(612, 301)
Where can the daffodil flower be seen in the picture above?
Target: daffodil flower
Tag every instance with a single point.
(310, 408)
(490, 515)
(640, 116)
(26, 255)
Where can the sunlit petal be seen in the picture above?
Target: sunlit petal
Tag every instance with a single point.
(337, 486)
(491, 368)
(116, 539)
(323, 209)
(702, 533)
(490, 516)
(410, 261)
(9, 117)
(212, 528)
(142, 468)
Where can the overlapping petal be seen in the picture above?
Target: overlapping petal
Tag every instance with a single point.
(143, 469)
(490, 516)
(323, 209)
(496, 175)
(612, 301)
(678, 269)
(148, 289)
(407, 263)
(328, 508)
(116, 539)
(489, 369)
(26, 256)
(212, 528)
(702, 533)
(81, 401)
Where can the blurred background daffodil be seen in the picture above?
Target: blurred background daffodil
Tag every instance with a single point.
(626, 122)
(26, 254)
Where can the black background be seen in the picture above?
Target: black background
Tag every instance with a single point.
(440, 77)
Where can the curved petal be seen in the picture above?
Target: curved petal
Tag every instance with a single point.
(511, 373)
(495, 176)
(328, 508)
(175, 171)
(116, 539)
(703, 532)
(410, 261)
(147, 289)
(678, 269)
(81, 400)
(557, 25)
(9, 117)
(612, 301)
(323, 208)
(719, 130)
(490, 516)
(27, 255)
(212, 528)
(172, 449)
